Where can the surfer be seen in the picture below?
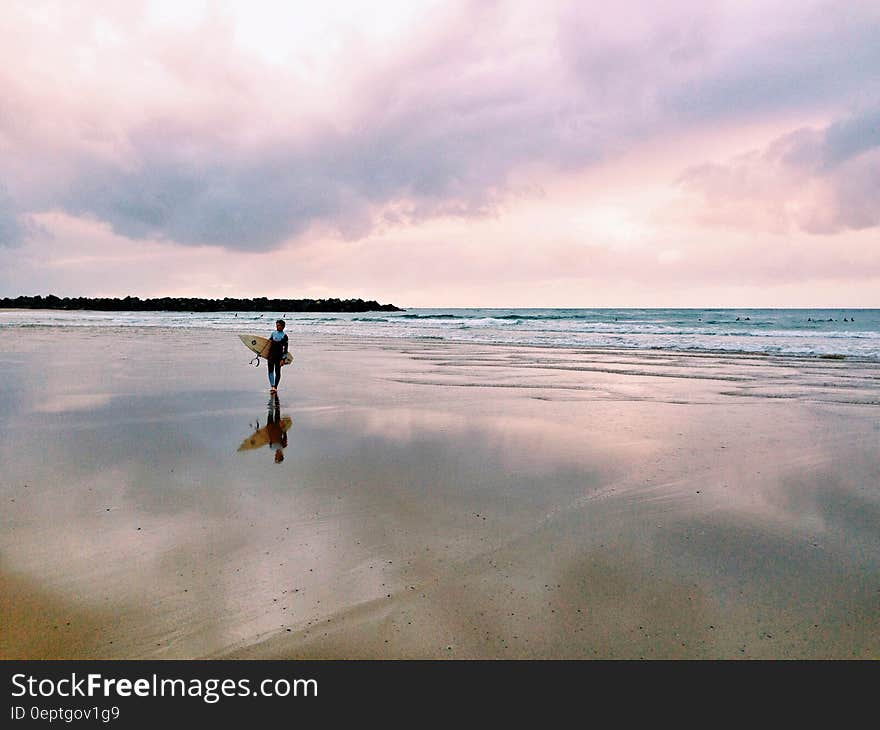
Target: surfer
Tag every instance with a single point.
(277, 353)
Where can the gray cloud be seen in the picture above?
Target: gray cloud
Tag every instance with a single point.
(210, 200)
(857, 195)
(430, 161)
(819, 57)
(12, 230)
(850, 137)
(443, 128)
(433, 136)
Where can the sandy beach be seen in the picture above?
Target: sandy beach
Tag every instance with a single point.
(435, 500)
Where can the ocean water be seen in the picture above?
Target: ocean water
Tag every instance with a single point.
(805, 332)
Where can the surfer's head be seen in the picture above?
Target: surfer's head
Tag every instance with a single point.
(279, 456)
(279, 324)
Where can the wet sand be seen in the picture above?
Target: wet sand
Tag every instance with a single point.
(435, 500)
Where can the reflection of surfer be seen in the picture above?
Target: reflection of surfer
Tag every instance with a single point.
(277, 353)
(274, 429)
(273, 434)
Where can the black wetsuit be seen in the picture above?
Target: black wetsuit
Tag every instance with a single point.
(275, 356)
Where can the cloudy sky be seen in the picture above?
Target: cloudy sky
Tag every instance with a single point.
(443, 153)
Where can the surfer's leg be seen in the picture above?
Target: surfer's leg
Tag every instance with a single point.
(277, 373)
(271, 367)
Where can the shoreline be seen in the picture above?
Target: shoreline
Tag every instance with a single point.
(779, 333)
(374, 339)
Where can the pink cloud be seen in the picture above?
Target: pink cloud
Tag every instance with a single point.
(181, 133)
(402, 161)
(820, 181)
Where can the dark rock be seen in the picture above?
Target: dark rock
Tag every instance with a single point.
(196, 304)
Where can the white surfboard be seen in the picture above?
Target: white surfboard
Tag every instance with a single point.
(260, 345)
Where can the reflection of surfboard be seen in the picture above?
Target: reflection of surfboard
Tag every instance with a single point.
(260, 437)
(260, 345)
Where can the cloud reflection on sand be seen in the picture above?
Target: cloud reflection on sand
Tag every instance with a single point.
(434, 516)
